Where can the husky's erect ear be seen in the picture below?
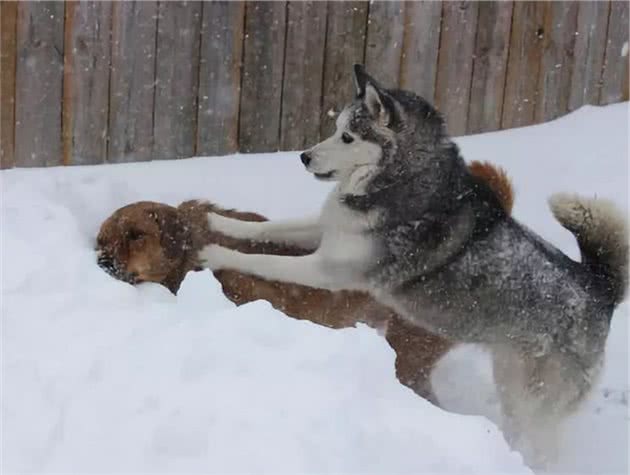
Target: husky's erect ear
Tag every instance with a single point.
(361, 78)
(369, 91)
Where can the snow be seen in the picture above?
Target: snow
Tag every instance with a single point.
(101, 376)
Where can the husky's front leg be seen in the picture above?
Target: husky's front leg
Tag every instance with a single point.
(305, 233)
(307, 270)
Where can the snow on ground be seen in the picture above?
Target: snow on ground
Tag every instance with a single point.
(101, 376)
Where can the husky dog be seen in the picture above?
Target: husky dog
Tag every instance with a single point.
(409, 224)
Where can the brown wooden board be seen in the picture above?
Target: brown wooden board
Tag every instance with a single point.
(176, 79)
(455, 63)
(554, 86)
(588, 58)
(490, 65)
(263, 64)
(220, 77)
(303, 72)
(385, 33)
(86, 82)
(421, 43)
(615, 72)
(8, 17)
(132, 81)
(345, 45)
(524, 59)
(38, 87)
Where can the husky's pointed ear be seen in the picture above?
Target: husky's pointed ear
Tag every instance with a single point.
(369, 91)
(360, 80)
(376, 104)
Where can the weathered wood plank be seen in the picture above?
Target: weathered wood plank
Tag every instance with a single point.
(615, 72)
(8, 17)
(176, 79)
(345, 44)
(420, 48)
(490, 65)
(554, 87)
(39, 78)
(303, 72)
(523, 64)
(220, 77)
(455, 63)
(132, 81)
(385, 32)
(261, 94)
(588, 59)
(86, 82)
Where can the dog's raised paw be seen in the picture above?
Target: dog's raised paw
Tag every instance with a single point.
(209, 256)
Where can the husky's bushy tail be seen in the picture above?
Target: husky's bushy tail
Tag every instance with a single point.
(601, 230)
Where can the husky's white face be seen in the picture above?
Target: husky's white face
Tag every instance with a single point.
(341, 154)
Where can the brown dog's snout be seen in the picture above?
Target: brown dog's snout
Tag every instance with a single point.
(306, 158)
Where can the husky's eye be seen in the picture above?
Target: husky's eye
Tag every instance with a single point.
(347, 138)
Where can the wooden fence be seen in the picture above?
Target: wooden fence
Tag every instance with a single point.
(95, 82)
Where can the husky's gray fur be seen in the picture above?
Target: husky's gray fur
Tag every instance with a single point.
(408, 223)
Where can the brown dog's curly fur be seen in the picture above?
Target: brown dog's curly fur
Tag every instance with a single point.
(154, 242)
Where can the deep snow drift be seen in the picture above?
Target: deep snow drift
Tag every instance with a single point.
(101, 376)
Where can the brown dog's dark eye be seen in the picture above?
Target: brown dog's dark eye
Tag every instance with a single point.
(134, 234)
(347, 138)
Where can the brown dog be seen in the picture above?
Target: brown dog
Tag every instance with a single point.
(154, 242)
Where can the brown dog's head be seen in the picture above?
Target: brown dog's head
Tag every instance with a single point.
(144, 242)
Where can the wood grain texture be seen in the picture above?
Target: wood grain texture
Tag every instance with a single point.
(455, 63)
(8, 19)
(554, 87)
(303, 72)
(345, 44)
(222, 34)
(421, 43)
(615, 71)
(86, 82)
(176, 79)
(132, 81)
(490, 65)
(39, 78)
(385, 34)
(590, 47)
(263, 63)
(524, 60)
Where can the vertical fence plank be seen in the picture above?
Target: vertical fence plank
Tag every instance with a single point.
(523, 64)
(132, 81)
(615, 72)
(420, 48)
(554, 85)
(261, 94)
(8, 15)
(385, 32)
(86, 82)
(176, 79)
(303, 71)
(489, 66)
(455, 63)
(39, 78)
(220, 77)
(590, 45)
(345, 45)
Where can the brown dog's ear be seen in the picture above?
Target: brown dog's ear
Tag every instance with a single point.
(175, 236)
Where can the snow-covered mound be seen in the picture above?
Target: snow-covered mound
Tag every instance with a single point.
(98, 375)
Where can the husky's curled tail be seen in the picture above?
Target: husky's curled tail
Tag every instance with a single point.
(601, 231)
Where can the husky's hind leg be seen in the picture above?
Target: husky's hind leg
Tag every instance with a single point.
(537, 394)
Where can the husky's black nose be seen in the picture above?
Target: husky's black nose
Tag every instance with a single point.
(306, 158)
